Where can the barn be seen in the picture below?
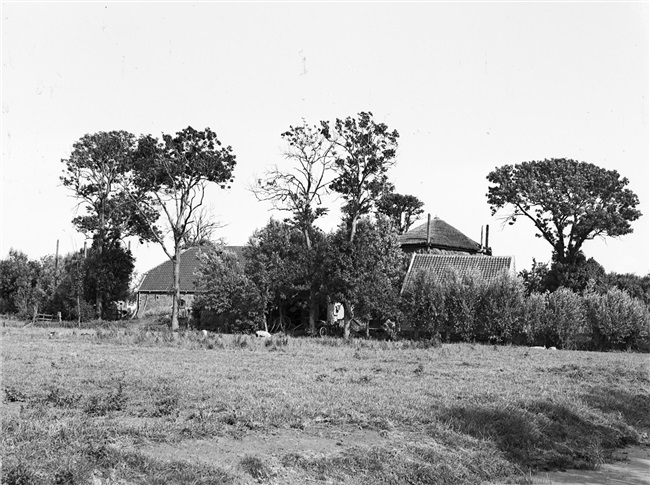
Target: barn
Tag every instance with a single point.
(154, 294)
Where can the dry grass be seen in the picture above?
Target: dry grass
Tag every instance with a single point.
(92, 405)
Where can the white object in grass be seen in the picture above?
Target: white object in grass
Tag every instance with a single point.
(263, 333)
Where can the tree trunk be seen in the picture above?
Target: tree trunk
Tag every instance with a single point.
(281, 315)
(313, 311)
(100, 249)
(176, 291)
(347, 318)
(330, 311)
(353, 226)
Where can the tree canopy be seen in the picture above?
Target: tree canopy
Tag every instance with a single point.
(364, 150)
(97, 172)
(569, 202)
(402, 210)
(299, 187)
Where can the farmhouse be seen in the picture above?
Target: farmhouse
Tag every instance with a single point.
(437, 237)
(155, 290)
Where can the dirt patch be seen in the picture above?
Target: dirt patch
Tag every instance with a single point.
(632, 469)
(227, 452)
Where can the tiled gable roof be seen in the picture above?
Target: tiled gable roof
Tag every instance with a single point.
(440, 265)
(442, 235)
(160, 279)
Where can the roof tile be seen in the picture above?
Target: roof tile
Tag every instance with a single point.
(160, 279)
(439, 265)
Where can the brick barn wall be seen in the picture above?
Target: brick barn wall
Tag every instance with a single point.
(156, 304)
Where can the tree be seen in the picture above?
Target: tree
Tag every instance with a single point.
(402, 210)
(70, 296)
(569, 202)
(277, 262)
(299, 189)
(636, 286)
(171, 177)
(98, 173)
(201, 229)
(110, 270)
(363, 152)
(575, 275)
(366, 273)
(20, 288)
(228, 291)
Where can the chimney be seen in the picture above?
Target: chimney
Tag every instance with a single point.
(428, 230)
(488, 251)
(481, 238)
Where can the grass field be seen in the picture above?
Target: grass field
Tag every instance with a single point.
(136, 406)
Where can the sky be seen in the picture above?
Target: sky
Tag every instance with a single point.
(468, 86)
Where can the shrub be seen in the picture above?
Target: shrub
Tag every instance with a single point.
(533, 318)
(500, 309)
(563, 320)
(462, 293)
(423, 304)
(616, 319)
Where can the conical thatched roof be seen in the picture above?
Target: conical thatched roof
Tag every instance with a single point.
(441, 236)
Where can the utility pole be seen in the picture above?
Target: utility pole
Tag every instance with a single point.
(56, 265)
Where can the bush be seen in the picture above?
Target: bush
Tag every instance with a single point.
(462, 293)
(616, 319)
(423, 304)
(500, 311)
(533, 318)
(564, 319)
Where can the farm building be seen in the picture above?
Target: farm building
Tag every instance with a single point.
(437, 237)
(439, 265)
(154, 292)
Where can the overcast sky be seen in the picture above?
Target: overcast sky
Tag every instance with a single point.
(469, 87)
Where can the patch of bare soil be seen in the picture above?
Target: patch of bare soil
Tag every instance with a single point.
(228, 452)
(631, 468)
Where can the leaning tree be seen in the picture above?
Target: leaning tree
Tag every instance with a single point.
(569, 202)
(171, 176)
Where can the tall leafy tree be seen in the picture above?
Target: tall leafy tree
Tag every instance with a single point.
(228, 291)
(19, 284)
(171, 176)
(364, 151)
(569, 202)
(366, 273)
(98, 172)
(402, 210)
(110, 270)
(298, 187)
(276, 262)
